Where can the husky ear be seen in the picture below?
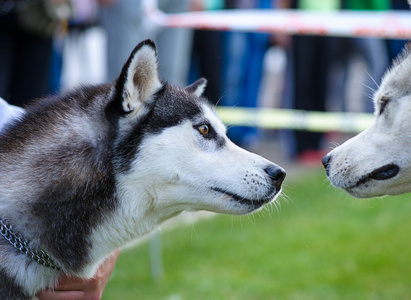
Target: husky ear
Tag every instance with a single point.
(139, 79)
(197, 88)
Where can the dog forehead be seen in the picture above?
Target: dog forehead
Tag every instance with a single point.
(396, 82)
(175, 104)
(171, 107)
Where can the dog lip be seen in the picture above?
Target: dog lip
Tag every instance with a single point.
(382, 173)
(243, 200)
(385, 172)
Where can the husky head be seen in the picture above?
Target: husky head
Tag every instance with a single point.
(173, 153)
(377, 161)
(87, 171)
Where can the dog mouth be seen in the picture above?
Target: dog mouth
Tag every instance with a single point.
(383, 173)
(254, 203)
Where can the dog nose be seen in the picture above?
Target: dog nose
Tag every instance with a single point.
(326, 160)
(277, 175)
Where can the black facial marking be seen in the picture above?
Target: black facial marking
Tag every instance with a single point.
(171, 107)
(220, 141)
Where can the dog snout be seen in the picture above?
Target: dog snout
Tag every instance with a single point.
(277, 175)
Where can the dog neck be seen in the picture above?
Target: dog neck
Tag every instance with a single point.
(23, 245)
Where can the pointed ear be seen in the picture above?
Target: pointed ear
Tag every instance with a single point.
(139, 79)
(197, 88)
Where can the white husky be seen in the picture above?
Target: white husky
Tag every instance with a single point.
(83, 173)
(377, 161)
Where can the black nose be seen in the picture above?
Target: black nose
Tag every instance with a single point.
(277, 175)
(326, 160)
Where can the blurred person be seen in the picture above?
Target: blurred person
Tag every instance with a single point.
(84, 59)
(396, 46)
(207, 51)
(124, 22)
(243, 70)
(372, 50)
(25, 57)
(310, 57)
(174, 45)
(26, 41)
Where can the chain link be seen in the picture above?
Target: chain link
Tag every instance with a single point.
(21, 244)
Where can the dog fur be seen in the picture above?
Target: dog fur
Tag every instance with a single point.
(377, 161)
(84, 173)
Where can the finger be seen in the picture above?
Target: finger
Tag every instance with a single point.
(106, 268)
(60, 295)
(67, 283)
(69, 287)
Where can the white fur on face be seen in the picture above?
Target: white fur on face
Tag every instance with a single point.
(179, 170)
(387, 142)
(176, 167)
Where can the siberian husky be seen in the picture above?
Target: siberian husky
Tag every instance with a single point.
(377, 161)
(83, 173)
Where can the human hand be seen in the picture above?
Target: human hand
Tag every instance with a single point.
(74, 288)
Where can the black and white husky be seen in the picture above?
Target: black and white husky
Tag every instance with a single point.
(377, 161)
(83, 173)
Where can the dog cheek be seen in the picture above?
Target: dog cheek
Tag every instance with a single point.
(174, 179)
(400, 184)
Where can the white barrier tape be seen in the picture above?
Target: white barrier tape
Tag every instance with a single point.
(295, 119)
(383, 24)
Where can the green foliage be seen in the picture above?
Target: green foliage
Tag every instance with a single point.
(321, 244)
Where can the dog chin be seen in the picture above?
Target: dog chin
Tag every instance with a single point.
(240, 205)
(362, 188)
(362, 193)
(376, 183)
(375, 189)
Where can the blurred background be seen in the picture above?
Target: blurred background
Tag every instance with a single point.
(321, 244)
(51, 45)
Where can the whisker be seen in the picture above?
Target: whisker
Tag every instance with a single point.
(334, 145)
(369, 75)
(368, 87)
(193, 230)
(284, 197)
(252, 221)
(220, 99)
(370, 96)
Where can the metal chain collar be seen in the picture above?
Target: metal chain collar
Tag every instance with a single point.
(21, 244)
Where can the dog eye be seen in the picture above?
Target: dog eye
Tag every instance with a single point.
(383, 103)
(204, 129)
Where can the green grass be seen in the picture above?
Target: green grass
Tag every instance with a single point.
(321, 245)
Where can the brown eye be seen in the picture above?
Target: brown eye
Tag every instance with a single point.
(204, 129)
